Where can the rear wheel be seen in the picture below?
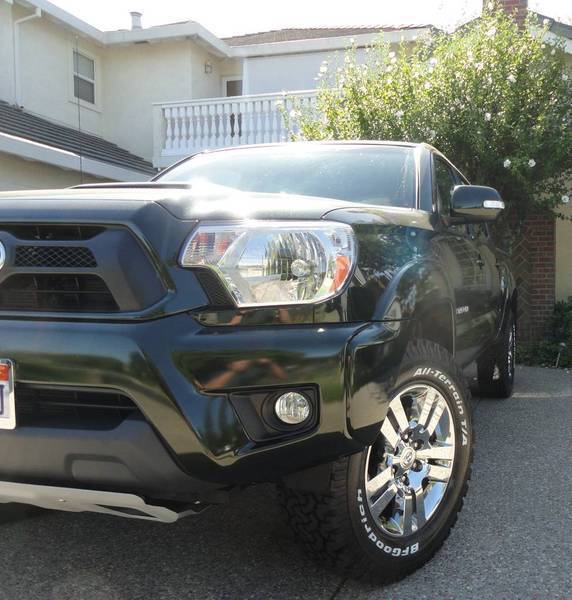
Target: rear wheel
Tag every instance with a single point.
(389, 508)
(495, 370)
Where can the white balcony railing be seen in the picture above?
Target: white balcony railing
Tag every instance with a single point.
(182, 128)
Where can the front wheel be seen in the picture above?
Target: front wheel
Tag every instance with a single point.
(390, 508)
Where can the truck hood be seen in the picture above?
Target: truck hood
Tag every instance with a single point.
(182, 203)
(108, 202)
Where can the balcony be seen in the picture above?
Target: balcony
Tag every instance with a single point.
(183, 128)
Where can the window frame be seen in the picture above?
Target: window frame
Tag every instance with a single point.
(447, 220)
(226, 79)
(436, 193)
(96, 105)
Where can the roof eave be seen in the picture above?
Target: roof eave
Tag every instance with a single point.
(173, 31)
(70, 161)
(326, 43)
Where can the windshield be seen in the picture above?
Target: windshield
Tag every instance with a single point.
(381, 174)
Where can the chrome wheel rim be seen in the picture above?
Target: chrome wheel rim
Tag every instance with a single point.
(408, 469)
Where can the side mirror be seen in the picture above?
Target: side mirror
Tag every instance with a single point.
(476, 203)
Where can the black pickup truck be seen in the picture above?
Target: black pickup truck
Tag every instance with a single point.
(296, 313)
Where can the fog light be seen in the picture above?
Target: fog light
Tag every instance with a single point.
(292, 408)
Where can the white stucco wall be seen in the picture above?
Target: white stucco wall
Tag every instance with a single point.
(6, 54)
(129, 78)
(268, 74)
(136, 76)
(19, 174)
(45, 70)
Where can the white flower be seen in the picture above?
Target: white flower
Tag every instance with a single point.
(433, 61)
(511, 78)
(391, 55)
(279, 103)
(490, 5)
(393, 60)
(294, 114)
(324, 68)
(564, 77)
(399, 114)
(352, 41)
(491, 32)
(531, 163)
(479, 66)
(488, 116)
(565, 199)
(553, 52)
(506, 164)
(427, 85)
(546, 22)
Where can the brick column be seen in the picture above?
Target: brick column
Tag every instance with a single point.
(534, 264)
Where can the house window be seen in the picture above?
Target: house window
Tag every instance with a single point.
(83, 77)
(232, 87)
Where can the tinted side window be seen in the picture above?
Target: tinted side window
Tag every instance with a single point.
(445, 182)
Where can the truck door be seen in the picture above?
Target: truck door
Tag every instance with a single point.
(464, 267)
(490, 271)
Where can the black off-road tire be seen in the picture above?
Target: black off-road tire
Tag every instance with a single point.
(495, 369)
(337, 527)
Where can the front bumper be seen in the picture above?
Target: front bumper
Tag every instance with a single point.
(188, 442)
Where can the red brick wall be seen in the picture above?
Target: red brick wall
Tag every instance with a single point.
(534, 262)
(518, 8)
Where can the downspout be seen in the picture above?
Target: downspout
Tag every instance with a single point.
(16, 51)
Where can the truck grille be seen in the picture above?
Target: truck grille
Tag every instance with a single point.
(71, 293)
(74, 408)
(59, 257)
(49, 232)
(74, 268)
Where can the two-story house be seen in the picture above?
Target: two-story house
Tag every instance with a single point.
(120, 104)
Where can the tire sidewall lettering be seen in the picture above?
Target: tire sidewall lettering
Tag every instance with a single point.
(452, 388)
(395, 551)
(456, 401)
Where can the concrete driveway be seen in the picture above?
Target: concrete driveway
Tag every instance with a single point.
(513, 539)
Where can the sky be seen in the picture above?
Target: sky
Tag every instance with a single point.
(226, 17)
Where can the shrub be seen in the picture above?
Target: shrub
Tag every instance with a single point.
(545, 353)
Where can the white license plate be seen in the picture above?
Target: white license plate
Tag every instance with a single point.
(7, 396)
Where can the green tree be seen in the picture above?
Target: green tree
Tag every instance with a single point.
(495, 98)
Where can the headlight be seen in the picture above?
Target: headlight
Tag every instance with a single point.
(275, 262)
